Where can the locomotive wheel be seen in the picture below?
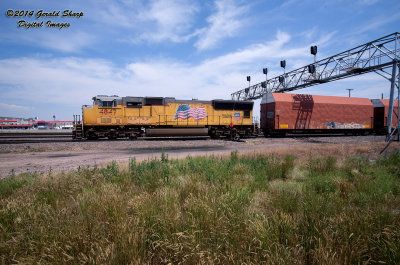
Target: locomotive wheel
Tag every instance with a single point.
(215, 135)
(91, 136)
(112, 136)
(235, 137)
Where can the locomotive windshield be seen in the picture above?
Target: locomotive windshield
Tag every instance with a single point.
(103, 101)
(107, 104)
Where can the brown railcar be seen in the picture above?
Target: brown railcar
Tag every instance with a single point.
(381, 113)
(296, 113)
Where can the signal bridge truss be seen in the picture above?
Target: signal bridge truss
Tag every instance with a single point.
(376, 56)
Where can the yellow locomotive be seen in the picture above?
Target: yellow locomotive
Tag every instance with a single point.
(121, 117)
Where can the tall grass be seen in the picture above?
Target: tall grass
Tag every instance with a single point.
(207, 210)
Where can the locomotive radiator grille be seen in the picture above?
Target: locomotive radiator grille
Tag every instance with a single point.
(105, 120)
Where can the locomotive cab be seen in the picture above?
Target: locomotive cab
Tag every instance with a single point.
(106, 101)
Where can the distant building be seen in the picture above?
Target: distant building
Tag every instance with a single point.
(60, 124)
(22, 123)
(14, 123)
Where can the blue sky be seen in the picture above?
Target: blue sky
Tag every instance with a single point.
(184, 49)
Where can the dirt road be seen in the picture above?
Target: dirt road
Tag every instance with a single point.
(39, 157)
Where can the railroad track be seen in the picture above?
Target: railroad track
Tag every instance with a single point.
(34, 134)
(65, 137)
(29, 141)
(34, 137)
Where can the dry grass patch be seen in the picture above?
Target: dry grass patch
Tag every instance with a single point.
(318, 207)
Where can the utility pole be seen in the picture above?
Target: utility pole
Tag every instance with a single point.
(349, 89)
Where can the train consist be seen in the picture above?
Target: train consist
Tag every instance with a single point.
(131, 117)
(121, 117)
(296, 113)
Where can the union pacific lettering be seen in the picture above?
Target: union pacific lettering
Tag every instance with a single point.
(107, 111)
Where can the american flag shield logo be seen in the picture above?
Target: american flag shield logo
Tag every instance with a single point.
(185, 112)
(237, 116)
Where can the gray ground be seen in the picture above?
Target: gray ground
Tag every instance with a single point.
(43, 157)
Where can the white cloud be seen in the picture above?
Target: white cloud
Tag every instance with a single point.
(116, 14)
(71, 40)
(250, 54)
(74, 81)
(155, 21)
(378, 22)
(152, 21)
(172, 20)
(5, 106)
(65, 42)
(225, 23)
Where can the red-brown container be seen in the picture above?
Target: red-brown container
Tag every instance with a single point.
(385, 103)
(298, 112)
